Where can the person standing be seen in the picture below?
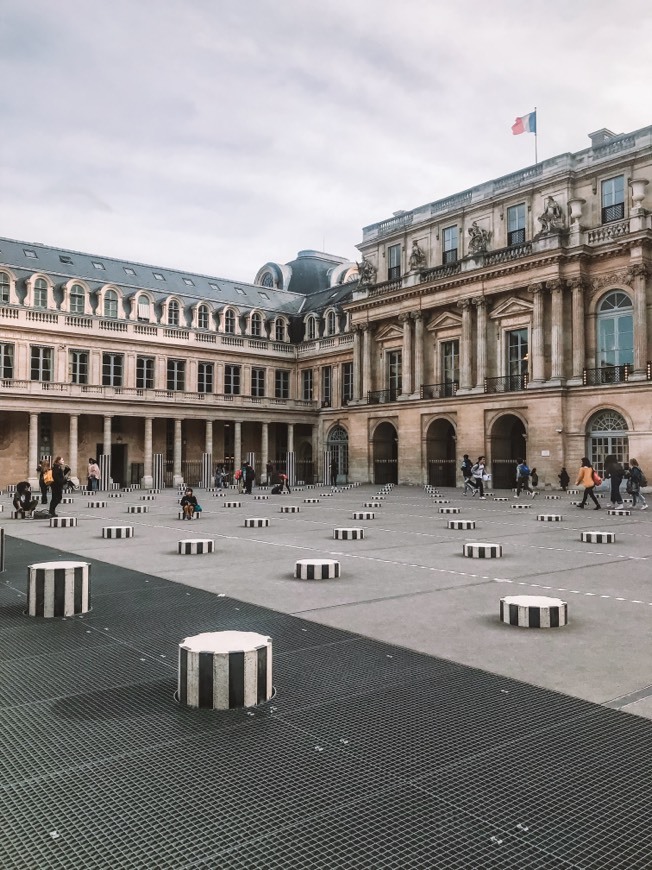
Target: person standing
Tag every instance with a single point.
(467, 476)
(93, 475)
(614, 473)
(478, 472)
(59, 471)
(249, 475)
(586, 477)
(564, 478)
(637, 480)
(44, 473)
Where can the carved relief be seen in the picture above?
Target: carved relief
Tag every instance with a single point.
(479, 239)
(417, 261)
(615, 279)
(552, 218)
(367, 272)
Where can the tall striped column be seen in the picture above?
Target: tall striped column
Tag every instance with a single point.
(58, 588)
(157, 471)
(225, 669)
(105, 471)
(206, 470)
(290, 468)
(2, 550)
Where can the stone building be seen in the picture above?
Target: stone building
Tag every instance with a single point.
(510, 320)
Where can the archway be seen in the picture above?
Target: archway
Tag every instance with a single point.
(508, 445)
(440, 453)
(336, 464)
(385, 453)
(607, 434)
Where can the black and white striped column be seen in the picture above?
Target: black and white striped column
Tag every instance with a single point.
(137, 509)
(157, 470)
(317, 569)
(598, 537)
(533, 611)
(223, 670)
(118, 532)
(461, 524)
(549, 518)
(58, 588)
(105, 471)
(290, 509)
(2, 550)
(256, 523)
(483, 551)
(341, 534)
(63, 522)
(364, 515)
(196, 546)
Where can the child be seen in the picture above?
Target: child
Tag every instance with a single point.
(564, 478)
(637, 480)
(189, 504)
(23, 500)
(534, 478)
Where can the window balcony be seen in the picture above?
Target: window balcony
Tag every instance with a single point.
(439, 391)
(611, 213)
(606, 375)
(381, 397)
(508, 384)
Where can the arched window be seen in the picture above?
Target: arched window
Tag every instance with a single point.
(229, 322)
(330, 323)
(337, 445)
(607, 434)
(312, 328)
(173, 313)
(267, 280)
(143, 308)
(202, 317)
(615, 331)
(279, 329)
(5, 285)
(111, 304)
(40, 293)
(77, 299)
(256, 324)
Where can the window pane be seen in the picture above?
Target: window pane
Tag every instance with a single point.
(6, 360)
(78, 367)
(77, 299)
(111, 304)
(205, 378)
(112, 369)
(41, 364)
(232, 380)
(144, 373)
(176, 374)
(202, 317)
(4, 287)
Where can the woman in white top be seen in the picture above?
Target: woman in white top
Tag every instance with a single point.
(478, 472)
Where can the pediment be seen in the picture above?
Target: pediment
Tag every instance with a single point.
(511, 308)
(390, 332)
(446, 320)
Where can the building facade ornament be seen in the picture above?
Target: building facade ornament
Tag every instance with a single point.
(636, 270)
(417, 261)
(367, 272)
(479, 239)
(552, 218)
(612, 280)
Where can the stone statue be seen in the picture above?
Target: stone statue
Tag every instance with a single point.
(417, 258)
(367, 272)
(552, 219)
(479, 239)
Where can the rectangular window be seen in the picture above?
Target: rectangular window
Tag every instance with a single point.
(516, 224)
(282, 384)
(347, 383)
(78, 366)
(517, 355)
(176, 379)
(145, 372)
(394, 373)
(613, 199)
(327, 386)
(112, 367)
(449, 245)
(258, 382)
(4, 287)
(232, 380)
(77, 299)
(450, 365)
(205, 377)
(393, 262)
(306, 385)
(6, 360)
(143, 309)
(41, 363)
(40, 295)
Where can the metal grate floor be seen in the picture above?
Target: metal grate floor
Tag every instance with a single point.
(370, 756)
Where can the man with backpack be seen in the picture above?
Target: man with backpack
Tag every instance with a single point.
(636, 481)
(522, 479)
(467, 475)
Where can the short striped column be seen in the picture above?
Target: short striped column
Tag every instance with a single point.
(196, 515)
(549, 518)
(261, 497)
(311, 501)
(137, 509)
(67, 499)
(364, 515)
(572, 492)
(521, 506)
(223, 670)
(232, 504)
(256, 523)
(63, 522)
(482, 551)
(533, 611)
(441, 501)
(58, 588)
(316, 569)
(95, 504)
(449, 510)
(218, 494)
(148, 498)
(461, 524)
(348, 534)
(500, 498)
(196, 547)
(158, 491)
(118, 532)
(289, 509)
(116, 494)
(598, 537)
(615, 512)
(553, 497)
(373, 504)
(18, 515)
(325, 494)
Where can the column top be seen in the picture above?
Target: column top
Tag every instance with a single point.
(225, 641)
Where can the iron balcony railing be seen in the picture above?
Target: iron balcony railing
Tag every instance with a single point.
(606, 375)
(380, 397)
(508, 384)
(439, 391)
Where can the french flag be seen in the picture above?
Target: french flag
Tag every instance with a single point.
(526, 124)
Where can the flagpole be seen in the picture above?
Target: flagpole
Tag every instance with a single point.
(536, 133)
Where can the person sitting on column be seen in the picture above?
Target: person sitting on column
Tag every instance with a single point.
(23, 498)
(189, 504)
(44, 479)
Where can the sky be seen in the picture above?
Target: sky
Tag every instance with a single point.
(215, 136)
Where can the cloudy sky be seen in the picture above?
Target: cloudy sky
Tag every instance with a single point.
(213, 135)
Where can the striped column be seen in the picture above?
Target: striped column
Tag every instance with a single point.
(105, 471)
(157, 471)
(58, 588)
(222, 670)
(2, 550)
(290, 467)
(206, 470)
(533, 611)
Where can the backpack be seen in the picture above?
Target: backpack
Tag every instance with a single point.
(523, 470)
(43, 514)
(48, 477)
(276, 490)
(597, 480)
(238, 474)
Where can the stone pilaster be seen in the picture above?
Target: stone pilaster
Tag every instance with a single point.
(366, 361)
(148, 478)
(537, 360)
(637, 276)
(556, 289)
(578, 286)
(481, 306)
(406, 362)
(466, 345)
(418, 352)
(357, 362)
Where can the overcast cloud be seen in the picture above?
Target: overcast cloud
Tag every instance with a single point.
(213, 136)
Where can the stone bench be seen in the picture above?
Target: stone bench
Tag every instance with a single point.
(63, 522)
(256, 523)
(317, 569)
(196, 546)
(549, 518)
(461, 524)
(598, 537)
(533, 611)
(289, 509)
(482, 551)
(118, 532)
(58, 588)
(364, 515)
(223, 670)
(137, 509)
(348, 534)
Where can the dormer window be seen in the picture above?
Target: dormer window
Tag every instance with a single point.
(202, 317)
(279, 329)
(77, 299)
(312, 328)
(256, 324)
(330, 323)
(111, 304)
(143, 309)
(267, 280)
(173, 313)
(229, 322)
(5, 286)
(40, 293)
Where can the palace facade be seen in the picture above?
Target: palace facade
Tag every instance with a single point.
(510, 320)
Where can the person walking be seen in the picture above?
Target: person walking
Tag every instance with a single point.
(523, 479)
(478, 472)
(586, 476)
(93, 475)
(59, 471)
(614, 473)
(467, 476)
(564, 478)
(637, 480)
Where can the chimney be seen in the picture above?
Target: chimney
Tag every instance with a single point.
(601, 137)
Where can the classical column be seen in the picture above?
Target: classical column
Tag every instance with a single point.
(237, 444)
(264, 448)
(537, 362)
(357, 362)
(557, 332)
(290, 437)
(578, 329)
(208, 448)
(406, 362)
(73, 445)
(465, 350)
(637, 276)
(106, 447)
(481, 342)
(33, 447)
(148, 478)
(177, 476)
(418, 351)
(366, 360)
